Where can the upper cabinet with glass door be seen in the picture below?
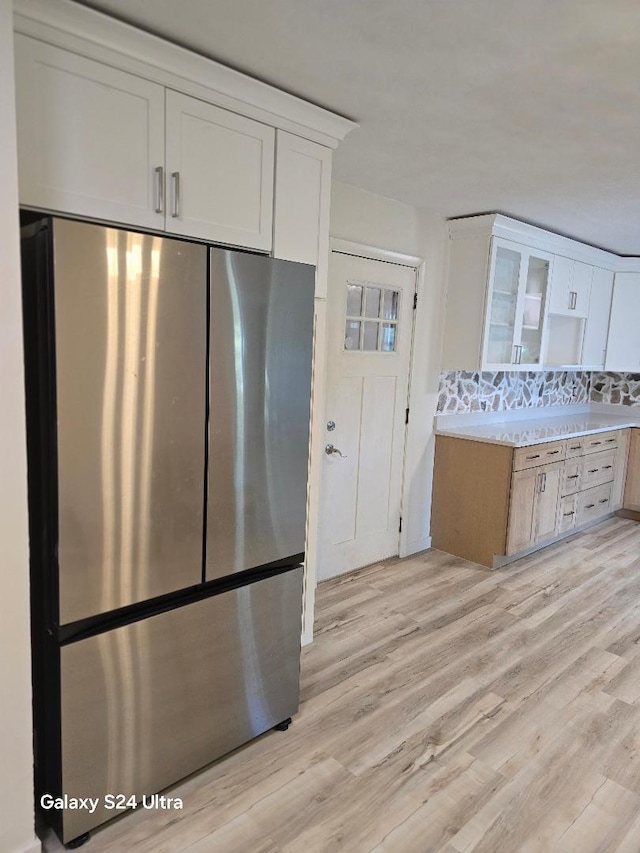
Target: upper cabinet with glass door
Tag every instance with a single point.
(517, 295)
(502, 296)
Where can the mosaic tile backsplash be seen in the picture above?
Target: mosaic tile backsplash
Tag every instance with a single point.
(461, 391)
(621, 388)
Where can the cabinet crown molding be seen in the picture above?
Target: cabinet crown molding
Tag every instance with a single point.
(100, 37)
(498, 225)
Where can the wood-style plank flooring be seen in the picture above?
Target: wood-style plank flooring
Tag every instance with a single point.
(444, 707)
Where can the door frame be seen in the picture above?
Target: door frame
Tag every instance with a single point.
(374, 253)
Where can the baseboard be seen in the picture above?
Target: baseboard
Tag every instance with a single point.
(416, 546)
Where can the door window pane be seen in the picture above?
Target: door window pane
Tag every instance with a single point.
(352, 335)
(388, 342)
(354, 300)
(370, 339)
(390, 305)
(372, 316)
(372, 302)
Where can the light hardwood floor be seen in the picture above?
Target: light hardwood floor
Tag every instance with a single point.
(444, 707)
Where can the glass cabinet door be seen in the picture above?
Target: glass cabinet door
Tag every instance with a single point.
(514, 331)
(535, 295)
(503, 310)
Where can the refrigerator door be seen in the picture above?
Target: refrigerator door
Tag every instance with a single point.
(130, 331)
(261, 341)
(148, 703)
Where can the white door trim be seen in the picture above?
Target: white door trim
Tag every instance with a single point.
(362, 250)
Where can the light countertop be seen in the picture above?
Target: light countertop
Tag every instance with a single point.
(536, 430)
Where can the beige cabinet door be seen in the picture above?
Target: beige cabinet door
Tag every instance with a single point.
(220, 169)
(549, 481)
(90, 137)
(522, 510)
(632, 485)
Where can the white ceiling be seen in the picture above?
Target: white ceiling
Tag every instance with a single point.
(526, 107)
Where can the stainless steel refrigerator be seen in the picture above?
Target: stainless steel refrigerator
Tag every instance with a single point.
(168, 388)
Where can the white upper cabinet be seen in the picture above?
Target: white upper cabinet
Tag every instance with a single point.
(517, 300)
(302, 199)
(570, 287)
(219, 174)
(517, 294)
(623, 346)
(90, 137)
(597, 326)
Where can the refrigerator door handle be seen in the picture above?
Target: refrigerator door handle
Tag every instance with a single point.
(175, 178)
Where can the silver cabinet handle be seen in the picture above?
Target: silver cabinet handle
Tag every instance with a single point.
(330, 450)
(573, 299)
(543, 482)
(175, 179)
(159, 189)
(517, 356)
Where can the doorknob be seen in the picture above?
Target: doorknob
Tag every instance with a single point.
(330, 450)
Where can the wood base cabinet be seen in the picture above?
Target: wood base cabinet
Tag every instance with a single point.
(533, 506)
(493, 503)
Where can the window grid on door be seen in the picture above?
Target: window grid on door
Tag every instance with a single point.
(372, 314)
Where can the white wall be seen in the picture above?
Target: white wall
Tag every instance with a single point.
(16, 758)
(364, 217)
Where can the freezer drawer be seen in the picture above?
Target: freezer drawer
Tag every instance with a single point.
(146, 704)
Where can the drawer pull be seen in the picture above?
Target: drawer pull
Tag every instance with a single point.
(606, 467)
(535, 456)
(576, 447)
(552, 452)
(595, 443)
(604, 501)
(593, 470)
(589, 506)
(572, 477)
(610, 440)
(566, 514)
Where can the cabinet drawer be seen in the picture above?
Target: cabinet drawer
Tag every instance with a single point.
(601, 441)
(538, 454)
(575, 447)
(571, 477)
(593, 503)
(597, 468)
(567, 513)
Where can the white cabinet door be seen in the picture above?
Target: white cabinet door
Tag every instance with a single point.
(90, 138)
(570, 287)
(301, 215)
(595, 335)
(219, 174)
(623, 342)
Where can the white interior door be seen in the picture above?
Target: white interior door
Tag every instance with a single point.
(370, 324)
